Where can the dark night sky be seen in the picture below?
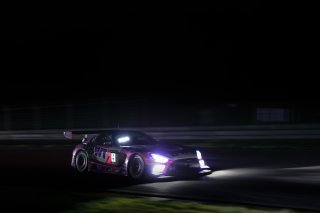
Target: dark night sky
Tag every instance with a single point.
(227, 51)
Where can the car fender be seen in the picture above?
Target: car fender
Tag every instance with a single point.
(75, 152)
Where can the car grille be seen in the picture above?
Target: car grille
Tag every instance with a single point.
(184, 166)
(182, 153)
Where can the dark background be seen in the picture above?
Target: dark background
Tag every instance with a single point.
(248, 67)
(222, 52)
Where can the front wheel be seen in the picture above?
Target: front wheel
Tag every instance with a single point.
(136, 169)
(81, 162)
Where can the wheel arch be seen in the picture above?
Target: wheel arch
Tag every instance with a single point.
(130, 160)
(73, 162)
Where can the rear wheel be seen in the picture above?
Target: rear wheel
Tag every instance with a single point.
(136, 169)
(81, 162)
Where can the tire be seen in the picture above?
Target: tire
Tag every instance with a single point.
(81, 162)
(136, 168)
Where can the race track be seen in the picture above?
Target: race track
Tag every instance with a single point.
(286, 179)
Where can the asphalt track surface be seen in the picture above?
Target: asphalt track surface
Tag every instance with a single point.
(30, 175)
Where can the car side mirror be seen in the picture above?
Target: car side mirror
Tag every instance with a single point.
(84, 141)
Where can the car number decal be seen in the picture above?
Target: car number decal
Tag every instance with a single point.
(113, 157)
(103, 155)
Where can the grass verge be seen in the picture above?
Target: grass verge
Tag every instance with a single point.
(120, 204)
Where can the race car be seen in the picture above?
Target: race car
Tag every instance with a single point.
(134, 154)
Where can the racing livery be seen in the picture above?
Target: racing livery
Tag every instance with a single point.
(134, 154)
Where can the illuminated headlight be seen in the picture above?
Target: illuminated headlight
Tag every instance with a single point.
(158, 169)
(199, 156)
(202, 164)
(201, 161)
(159, 158)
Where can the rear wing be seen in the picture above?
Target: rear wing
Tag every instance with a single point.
(68, 134)
(86, 135)
(78, 135)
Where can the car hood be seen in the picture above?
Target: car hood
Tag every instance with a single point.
(169, 150)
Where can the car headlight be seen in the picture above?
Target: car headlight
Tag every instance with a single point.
(158, 169)
(199, 156)
(201, 161)
(159, 158)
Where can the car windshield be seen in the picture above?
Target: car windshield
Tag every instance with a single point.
(133, 138)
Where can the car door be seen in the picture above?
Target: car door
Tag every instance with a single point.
(107, 154)
(114, 156)
(100, 153)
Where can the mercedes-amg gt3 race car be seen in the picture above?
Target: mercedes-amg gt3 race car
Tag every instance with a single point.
(134, 154)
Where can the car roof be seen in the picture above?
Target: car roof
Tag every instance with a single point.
(112, 132)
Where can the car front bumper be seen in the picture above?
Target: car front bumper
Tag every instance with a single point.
(183, 167)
